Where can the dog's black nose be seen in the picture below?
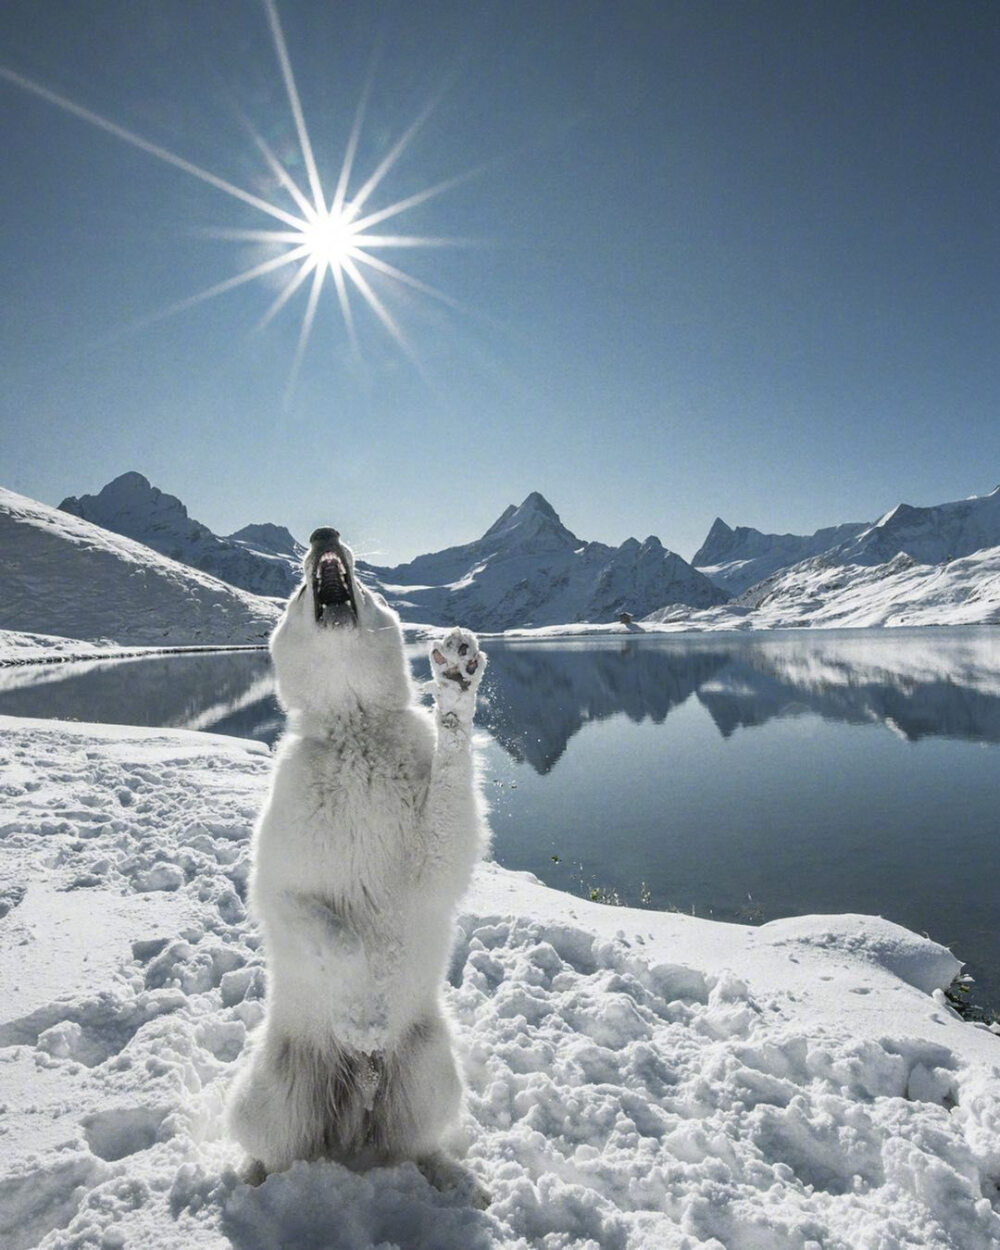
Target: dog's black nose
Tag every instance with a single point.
(324, 535)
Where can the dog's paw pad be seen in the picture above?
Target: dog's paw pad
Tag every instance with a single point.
(456, 659)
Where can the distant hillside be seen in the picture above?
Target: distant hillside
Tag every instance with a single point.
(64, 576)
(529, 569)
(274, 540)
(264, 559)
(737, 559)
(822, 593)
(927, 535)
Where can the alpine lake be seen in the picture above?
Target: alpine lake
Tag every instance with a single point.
(738, 777)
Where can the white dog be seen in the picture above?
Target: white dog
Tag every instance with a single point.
(368, 838)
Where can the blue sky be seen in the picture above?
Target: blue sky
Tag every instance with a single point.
(718, 259)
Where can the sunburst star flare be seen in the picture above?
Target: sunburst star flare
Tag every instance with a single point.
(320, 236)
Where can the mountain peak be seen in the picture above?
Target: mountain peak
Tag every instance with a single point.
(534, 523)
(501, 520)
(131, 480)
(275, 539)
(718, 542)
(130, 505)
(536, 502)
(128, 495)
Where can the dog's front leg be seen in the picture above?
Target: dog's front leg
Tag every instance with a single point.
(456, 821)
(316, 927)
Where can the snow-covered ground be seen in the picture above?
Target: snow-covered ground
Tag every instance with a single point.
(19, 648)
(636, 1079)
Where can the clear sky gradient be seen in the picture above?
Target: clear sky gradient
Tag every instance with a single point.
(717, 259)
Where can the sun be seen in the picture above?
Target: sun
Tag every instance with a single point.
(319, 235)
(329, 240)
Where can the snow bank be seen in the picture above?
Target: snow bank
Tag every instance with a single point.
(19, 648)
(636, 1079)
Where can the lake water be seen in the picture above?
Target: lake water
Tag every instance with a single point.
(739, 777)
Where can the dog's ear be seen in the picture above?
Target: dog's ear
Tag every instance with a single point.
(437, 657)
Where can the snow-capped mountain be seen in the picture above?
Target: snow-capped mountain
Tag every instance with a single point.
(529, 569)
(273, 540)
(737, 559)
(264, 559)
(822, 593)
(915, 566)
(927, 535)
(65, 576)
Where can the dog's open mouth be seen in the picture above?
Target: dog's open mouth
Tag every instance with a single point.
(333, 595)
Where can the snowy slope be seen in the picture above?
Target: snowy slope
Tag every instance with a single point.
(529, 569)
(736, 559)
(927, 535)
(739, 559)
(823, 594)
(263, 559)
(636, 1080)
(66, 577)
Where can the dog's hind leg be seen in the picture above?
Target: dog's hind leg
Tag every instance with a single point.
(420, 1091)
(418, 1101)
(296, 1101)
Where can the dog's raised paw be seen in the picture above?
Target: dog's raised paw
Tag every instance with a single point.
(457, 665)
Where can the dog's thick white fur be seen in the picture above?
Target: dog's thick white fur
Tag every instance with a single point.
(367, 840)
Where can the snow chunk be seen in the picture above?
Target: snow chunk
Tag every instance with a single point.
(916, 960)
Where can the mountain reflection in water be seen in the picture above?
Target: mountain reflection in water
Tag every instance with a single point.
(221, 692)
(918, 683)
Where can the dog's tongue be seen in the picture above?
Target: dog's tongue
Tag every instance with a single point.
(332, 580)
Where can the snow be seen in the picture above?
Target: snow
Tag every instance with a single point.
(930, 535)
(67, 577)
(737, 559)
(23, 647)
(635, 1079)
